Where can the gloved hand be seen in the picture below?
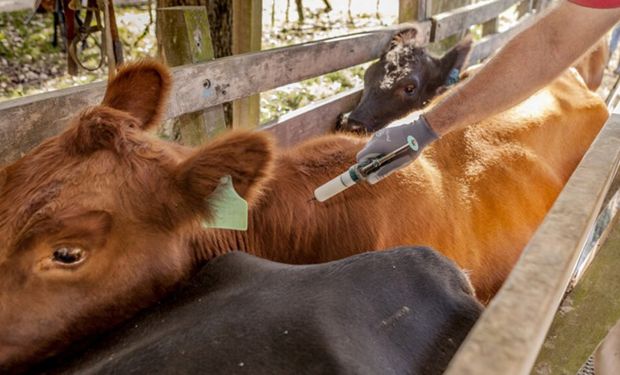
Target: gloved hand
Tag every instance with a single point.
(417, 134)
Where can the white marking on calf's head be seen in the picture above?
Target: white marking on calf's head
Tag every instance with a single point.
(396, 67)
(398, 58)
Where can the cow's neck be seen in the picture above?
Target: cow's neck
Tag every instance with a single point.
(216, 242)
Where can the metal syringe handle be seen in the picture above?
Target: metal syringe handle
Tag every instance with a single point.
(375, 164)
(355, 174)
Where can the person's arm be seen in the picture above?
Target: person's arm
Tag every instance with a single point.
(528, 62)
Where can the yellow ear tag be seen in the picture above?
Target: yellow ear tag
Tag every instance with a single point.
(230, 211)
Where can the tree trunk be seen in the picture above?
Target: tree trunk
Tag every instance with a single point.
(220, 18)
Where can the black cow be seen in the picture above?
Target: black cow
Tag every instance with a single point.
(405, 79)
(402, 311)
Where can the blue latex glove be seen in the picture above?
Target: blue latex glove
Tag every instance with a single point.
(418, 134)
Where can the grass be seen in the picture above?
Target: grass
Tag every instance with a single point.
(29, 64)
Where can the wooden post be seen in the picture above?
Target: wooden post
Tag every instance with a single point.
(413, 10)
(539, 5)
(246, 37)
(183, 38)
(525, 7)
(489, 27)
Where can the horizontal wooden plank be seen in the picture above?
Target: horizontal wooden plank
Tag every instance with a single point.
(25, 122)
(456, 20)
(314, 119)
(492, 43)
(239, 76)
(510, 333)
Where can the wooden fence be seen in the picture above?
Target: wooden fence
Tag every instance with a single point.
(24, 122)
(508, 337)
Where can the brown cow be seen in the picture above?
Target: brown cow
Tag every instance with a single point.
(104, 219)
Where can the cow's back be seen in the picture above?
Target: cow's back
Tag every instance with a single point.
(403, 311)
(476, 195)
(509, 169)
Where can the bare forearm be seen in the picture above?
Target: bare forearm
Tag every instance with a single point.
(528, 62)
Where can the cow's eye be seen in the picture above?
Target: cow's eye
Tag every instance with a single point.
(68, 255)
(409, 89)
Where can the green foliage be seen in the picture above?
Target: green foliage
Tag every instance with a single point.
(276, 102)
(29, 64)
(19, 39)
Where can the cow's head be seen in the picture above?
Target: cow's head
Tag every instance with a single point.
(403, 80)
(98, 222)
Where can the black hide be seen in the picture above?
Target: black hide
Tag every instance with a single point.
(402, 311)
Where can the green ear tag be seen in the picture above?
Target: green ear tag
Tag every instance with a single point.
(230, 211)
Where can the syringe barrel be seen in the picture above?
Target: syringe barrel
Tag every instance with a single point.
(335, 186)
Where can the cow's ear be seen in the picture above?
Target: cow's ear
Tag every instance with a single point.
(456, 57)
(245, 156)
(449, 66)
(140, 89)
(403, 38)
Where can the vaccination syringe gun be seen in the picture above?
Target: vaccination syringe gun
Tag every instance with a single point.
(360, 172)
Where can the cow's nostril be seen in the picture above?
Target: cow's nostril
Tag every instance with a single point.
(353, 125)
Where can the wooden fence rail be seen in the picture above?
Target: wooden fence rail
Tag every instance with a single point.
(587, 313)
(454, 21)
(25, 122)
(489, 44)
(312, 120)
